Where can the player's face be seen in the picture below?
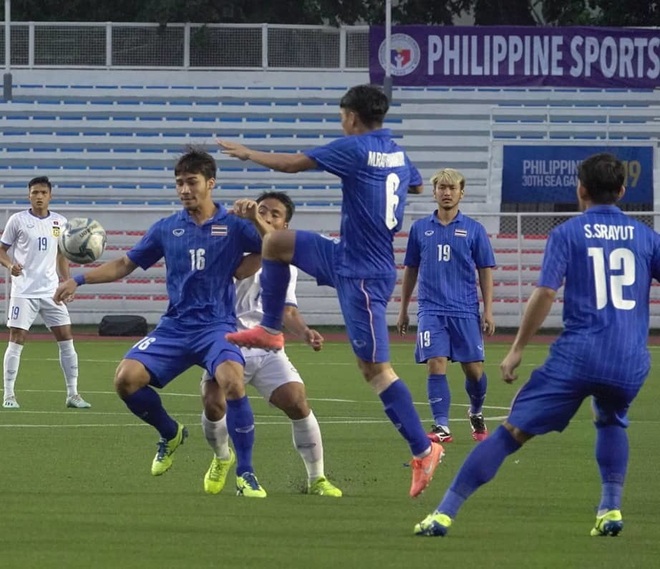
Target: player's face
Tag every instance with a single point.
(447, 195)
(273, 212)
(39, 195)
(348, 121)
(194, 190)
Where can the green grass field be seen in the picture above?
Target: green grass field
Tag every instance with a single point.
(77, 492)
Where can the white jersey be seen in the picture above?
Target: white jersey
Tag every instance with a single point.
(33, 242)
(249, 309)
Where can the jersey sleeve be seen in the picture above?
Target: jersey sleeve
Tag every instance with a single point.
(148, 250)
(290, 298)
(340, 157)
(249, 240)
(555, 262)
(9, 232)
(413, 254)
(482, 250)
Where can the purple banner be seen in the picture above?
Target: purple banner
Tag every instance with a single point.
(517, 56)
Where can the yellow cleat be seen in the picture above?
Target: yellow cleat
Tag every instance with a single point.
(247, 485)
(163, 459)
(435, 524)
(216, 475)
(610, 523)
(323, 487)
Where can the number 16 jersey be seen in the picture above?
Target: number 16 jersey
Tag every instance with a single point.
(606, 261)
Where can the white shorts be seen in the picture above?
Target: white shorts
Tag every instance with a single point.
(23, 312)
(266, 371)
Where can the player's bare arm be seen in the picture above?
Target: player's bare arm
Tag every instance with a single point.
(486, 285)
(416, 189)
(105, 273)
(295, 323)
(407, 288)
(15, 269)
(249, 266)
(279, 161)
(537, 310)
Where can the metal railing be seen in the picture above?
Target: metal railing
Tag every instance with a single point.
(185, 46)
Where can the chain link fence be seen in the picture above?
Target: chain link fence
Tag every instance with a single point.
(105, 45)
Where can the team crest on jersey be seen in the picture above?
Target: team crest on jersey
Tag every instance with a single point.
(56, 229)
(219, 231)
(460, 233)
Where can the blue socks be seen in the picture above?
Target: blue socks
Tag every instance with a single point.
(612, 458)
(401, 411)
(439, 398)
(476, 391)
(146, 405)
(240, 424)
(479, 467)
(274, 282)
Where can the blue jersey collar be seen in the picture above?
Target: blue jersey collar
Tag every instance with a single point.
(600, 208)
(457, 219)
(380, 132)
(220, 214)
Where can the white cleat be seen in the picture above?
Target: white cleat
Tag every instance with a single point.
(10, 403)
(77, 402)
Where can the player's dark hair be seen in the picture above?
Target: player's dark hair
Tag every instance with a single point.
(283, 198)
(40, 180)
(602, 175)
(369, 102)
(196, 161)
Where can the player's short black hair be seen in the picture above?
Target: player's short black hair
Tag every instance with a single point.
(283, 198)
(196, 160)
(369, 102)
(40, 180)
(602, 175)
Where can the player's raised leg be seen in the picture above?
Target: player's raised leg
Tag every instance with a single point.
(277, 253)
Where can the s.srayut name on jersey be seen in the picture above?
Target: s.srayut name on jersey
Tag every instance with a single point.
(386, 160)
(611, 232)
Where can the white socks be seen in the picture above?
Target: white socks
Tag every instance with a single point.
(11, 364)
(217, 435)
(307, 441)
(69, 365)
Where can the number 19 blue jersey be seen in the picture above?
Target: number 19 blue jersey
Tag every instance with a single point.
(376, 174)
(607, 261)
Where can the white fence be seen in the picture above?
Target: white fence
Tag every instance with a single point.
(185, 46)
(518, 254)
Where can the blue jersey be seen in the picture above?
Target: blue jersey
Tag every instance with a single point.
(376, 174)
(447, 257)
(200, 261)
(606, 261)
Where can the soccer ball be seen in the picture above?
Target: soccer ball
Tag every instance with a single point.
(82, 240)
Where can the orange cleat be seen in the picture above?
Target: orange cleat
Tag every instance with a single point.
(257, 337)
(423, 469)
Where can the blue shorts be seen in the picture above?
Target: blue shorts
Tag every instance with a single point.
(458, 339)
(548, 403)
(169, 351)
(363, 302)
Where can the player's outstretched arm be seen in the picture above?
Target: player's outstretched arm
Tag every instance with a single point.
(249, 266)
(279, 161)
(537, 310)
(417, 189)
(105, 273)
(62, 266)
(295, 323)
(249, 209)
(407, 288)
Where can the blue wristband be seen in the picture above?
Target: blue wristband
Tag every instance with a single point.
(80, 279)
